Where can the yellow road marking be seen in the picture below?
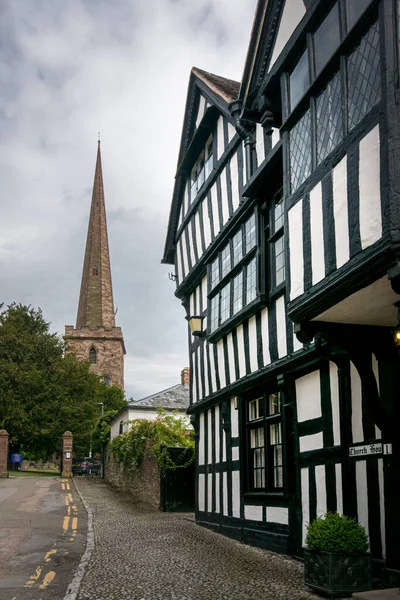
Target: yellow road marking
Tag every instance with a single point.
(49, 553)
(34, 577)
(74, 523)
(63, 486)
(67, 486)
(65, 523)
(48, 578)
(75, 509)
(70, 498)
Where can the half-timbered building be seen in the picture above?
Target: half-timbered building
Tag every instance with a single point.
(284, 234)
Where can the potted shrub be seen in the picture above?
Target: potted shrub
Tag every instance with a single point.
(336, 559)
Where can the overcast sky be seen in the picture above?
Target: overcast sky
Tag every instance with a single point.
(71, 68)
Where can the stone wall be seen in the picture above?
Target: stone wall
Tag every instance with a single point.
(143, 484)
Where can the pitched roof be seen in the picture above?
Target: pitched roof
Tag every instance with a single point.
(176, 396)
(227, 89)
(96, 305)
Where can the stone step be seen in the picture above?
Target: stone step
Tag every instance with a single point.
(390, 594)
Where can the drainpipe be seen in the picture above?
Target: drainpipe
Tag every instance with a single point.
(245, 129)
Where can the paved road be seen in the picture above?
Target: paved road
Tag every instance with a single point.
(143, 554)
(42, 537)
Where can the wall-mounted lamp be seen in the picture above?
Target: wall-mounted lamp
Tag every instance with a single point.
(196, 325)
(396, 333)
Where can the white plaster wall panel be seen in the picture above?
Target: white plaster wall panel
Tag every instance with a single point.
(382, 506)
(334, 385)
(277, 514)
(308, 396)
(202, 492)
(206, 223)
(204, 293)
(260, 148)
(317, 235)
(180, 217)
(224, 197)
(193, 386)
(265, 337)
(235, 494)
(281, 326)
(220, 138)
(201, 440)
(235, 182)
(341, 213)
(202, 108)
(320, 481)
(231, 358)
(296, 250)
(223, 445)
(339, 490)
(235, 453)
(209, 437)
(198, 300)
(296, 344)
(198, 235)
(231, 132)
(311, 442)
(305, 502)
(253, 344)
(212, 368)
(375, 368)
(216, 436)
(179, 263)
(234, 419)
(215, 213)
(209, 492)
(240, 347)
(370, 189)
(206, 385)
(293, 12)
(221, 363)
(217, 493)
(184, 252)
(189, 234)
(356, 405)
(200, 379)
(362, 493)
(115, 429)
(191, 303)
(225, 492)
(253, 513)
(275, 136)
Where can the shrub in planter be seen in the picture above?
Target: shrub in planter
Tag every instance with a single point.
(336, 560)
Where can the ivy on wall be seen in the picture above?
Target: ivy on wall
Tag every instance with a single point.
(168, 430)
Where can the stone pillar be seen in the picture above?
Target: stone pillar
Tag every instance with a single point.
(67, 454)
(3, 453)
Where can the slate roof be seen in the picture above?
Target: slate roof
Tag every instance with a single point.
(227, 89)
(176, 396)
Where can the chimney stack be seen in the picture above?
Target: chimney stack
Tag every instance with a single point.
(185, 376)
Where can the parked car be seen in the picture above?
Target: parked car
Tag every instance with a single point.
(80, 466)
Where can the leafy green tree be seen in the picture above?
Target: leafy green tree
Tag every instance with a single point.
(44, 392)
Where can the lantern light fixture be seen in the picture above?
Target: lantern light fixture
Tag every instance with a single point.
(396, 333)
(196, 326)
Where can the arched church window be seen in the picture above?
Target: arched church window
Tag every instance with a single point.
(107, 380)
(93, 356)
(95, 270)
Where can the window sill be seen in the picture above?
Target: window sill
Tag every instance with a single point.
(234, 321)
(265, 496)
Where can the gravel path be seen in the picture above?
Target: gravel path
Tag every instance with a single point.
(144, 554)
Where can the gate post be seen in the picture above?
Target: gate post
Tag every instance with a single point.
(67, 454)
(3, 453)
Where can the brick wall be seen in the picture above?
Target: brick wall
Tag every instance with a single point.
(143, 484)
(3, 453)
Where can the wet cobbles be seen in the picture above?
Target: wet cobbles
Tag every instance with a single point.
(144, 554)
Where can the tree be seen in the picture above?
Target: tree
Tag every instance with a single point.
(42, 391)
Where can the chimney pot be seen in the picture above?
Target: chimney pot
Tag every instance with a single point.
(185, 376)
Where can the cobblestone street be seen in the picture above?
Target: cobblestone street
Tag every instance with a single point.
(144, 554)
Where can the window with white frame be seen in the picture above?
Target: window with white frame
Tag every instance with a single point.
(201, 169)
(233, 275)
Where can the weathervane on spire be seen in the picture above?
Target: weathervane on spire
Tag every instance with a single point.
(98, 138)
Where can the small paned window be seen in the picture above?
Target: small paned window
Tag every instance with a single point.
(329, 118)
(250, 233)
(364, 78)
(278, 210)
(300, 151)
(201, 169)
(279, 256)
(214, 313)
(237, 248)
(225, 302)
(354, 10)
(107, 380)
(238, 293)
(225, 261)
(93, 356)
(299, 80)
(251, 281)
(326, 39)
(215, 273)
(265, 446)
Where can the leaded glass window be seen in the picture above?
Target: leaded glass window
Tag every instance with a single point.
(237, 248)
(93, 356)
(279, 252)
(363, 77)
(238, 293)
(300, 151)
(215, 273)
(201, 169)
(214, 321)
(250, 233)
(354, 10)
(326, 39)
(225, 261)
(225, 302)
(251, 281)
(299, 80)
(329, 118)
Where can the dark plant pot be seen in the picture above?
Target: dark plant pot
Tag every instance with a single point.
(337, 574)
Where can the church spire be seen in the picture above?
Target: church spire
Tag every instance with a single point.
(96, 305)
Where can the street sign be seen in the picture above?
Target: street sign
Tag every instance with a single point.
(16, 458)
(370, 450)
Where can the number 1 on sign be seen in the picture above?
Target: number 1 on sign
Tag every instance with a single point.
(387, 449)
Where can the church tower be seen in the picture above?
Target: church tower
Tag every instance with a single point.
(95, 337)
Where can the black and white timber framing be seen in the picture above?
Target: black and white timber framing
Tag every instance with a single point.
(284, 233)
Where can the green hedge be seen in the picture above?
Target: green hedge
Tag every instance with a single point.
(336, 533)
